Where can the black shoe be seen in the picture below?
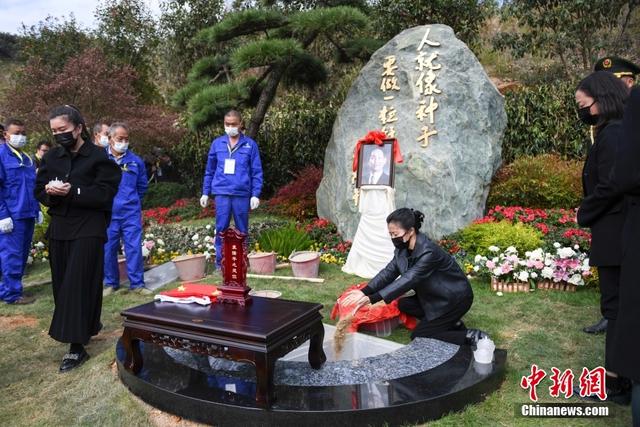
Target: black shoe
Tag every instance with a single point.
(598, 328)
(73, 360)
(619, 396)
(473, 336)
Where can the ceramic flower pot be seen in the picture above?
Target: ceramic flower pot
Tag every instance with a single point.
(262, 262)
(190, 267)
(305, 263)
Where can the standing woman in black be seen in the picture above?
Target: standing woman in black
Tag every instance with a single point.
(77, 182)
(600, 98)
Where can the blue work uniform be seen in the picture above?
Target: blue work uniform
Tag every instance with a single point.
(126, 222)
(233, 176)
(17, 201)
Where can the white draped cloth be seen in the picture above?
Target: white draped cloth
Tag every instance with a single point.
(372, 249)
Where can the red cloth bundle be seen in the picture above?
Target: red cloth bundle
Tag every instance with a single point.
(371, 313)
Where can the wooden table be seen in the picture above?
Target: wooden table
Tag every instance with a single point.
(259, 333)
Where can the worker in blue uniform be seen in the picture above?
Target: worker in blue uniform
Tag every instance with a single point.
(18, 211)
(126, 216)
(234, 176)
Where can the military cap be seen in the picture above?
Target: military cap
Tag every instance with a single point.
(618, 66)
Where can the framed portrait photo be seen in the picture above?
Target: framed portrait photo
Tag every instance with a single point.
(375, 165)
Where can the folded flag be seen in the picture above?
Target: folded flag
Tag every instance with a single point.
(190, 293)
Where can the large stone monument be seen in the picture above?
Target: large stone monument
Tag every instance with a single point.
(428, 90)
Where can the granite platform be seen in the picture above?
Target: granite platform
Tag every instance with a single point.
(421, 381)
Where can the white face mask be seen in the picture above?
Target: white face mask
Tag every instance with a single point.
(17, 141)
(121, 147)
(104, 140)
(231, 131)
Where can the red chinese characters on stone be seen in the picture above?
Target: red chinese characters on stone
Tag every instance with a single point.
(593, 382)
(531, 381)
(234, 288)
(562, 383)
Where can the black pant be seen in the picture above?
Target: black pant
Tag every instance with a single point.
(443, 328)
(609, 278)
(76, 278)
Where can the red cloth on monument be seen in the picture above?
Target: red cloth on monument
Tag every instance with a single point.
(371, 313)
(376, 137)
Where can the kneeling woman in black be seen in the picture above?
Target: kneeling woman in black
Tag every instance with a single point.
(442, 292)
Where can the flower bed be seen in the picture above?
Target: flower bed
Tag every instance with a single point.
(182, 209)
(565, 268)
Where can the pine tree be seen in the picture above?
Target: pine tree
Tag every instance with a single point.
(272, 48)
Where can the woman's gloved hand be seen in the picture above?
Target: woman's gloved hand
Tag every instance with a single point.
(204, 200)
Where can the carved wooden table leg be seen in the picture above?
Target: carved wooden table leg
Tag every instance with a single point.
(133, 358)
(316, 352)
(265, 366)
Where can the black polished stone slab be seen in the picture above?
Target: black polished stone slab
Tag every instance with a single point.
(228, 400)
(420, 355)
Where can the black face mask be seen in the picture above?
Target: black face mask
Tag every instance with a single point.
(66, 139)
(585, 115)
(399, 243)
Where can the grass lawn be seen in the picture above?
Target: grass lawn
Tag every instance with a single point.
(543, 328)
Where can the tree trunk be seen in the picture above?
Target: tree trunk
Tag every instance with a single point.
(266, 97)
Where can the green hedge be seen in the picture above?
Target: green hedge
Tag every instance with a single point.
(294, 135)
(477, 238)
(542, 119)
(164, 194)
(544, 181)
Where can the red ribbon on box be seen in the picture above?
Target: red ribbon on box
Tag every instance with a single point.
(371, 313)
(376, 137)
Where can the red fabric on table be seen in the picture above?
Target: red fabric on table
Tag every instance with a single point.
(376, 137)
(371, 313)
(187, 290)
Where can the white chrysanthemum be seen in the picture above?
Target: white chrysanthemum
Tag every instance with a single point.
(534, 275)
(523, 276)
(195, 237)
(497, 271)
(556, 245)
(39, 245)
(576, 279)
(160, 242)
(208, 227)
(547, 272)
(494, 248)
(566, 252)
(511, 249)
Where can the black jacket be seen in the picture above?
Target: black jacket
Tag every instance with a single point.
(626, 179)
(435, 276)
(93, 177)
(602, 208)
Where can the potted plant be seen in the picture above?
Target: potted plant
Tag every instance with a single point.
(262, 262)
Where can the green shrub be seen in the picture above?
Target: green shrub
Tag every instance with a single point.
(164, 194)
(476, 238)
(542, 119)
(284, 241)
(544, 181)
